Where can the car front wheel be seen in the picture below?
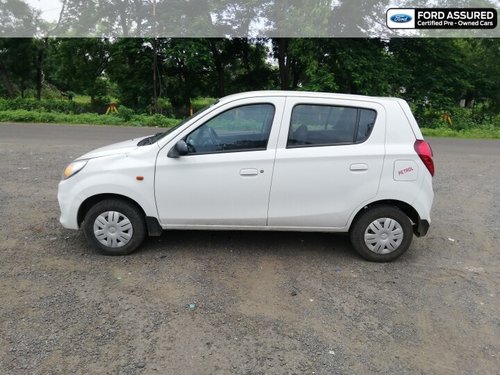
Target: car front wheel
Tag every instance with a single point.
(114, 227)
(381, 234)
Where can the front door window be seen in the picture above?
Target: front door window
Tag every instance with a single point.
(244, 128)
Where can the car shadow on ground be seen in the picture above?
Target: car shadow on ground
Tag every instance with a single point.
(250, 242)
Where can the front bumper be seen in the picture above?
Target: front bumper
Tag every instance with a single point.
(68, 206)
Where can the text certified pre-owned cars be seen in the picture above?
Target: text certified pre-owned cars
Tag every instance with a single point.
(269, 160)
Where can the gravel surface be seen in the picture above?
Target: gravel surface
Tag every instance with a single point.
(250, 302)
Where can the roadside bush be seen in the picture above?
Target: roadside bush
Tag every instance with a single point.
(165, 107)
(457, 118)
(125, 113)
(154, 120)
(79, 106)
(491, 132)
(201, 103)
(48, 105)
(22, 115)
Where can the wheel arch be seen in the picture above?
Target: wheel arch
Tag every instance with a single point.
(91, 201)
(407, 209)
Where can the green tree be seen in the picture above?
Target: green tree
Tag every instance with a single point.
(430, 72)
(246, 66)
(17, 18)
(79, 66)
(17, 65)
(130, 68)
(355, 66)
(481, 57)
(290, 64)
(186, 66)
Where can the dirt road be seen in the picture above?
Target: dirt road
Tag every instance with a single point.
(262, 303)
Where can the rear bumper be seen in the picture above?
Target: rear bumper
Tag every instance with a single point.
(421, 228)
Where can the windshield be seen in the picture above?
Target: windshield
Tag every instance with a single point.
(155, 138)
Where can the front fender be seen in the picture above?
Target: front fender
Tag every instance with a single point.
(128, 176)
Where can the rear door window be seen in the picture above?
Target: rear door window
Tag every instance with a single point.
(324, 125)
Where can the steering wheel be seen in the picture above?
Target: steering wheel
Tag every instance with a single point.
(207, 138)
(214, 136)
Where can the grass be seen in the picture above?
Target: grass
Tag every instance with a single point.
(22, 115)
(478, 133)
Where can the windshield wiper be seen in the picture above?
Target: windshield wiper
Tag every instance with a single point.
(149, 140)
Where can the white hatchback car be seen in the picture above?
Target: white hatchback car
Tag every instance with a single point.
(268, 160)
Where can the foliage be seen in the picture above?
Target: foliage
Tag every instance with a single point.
(125, 113)
(430, 72)
(130, 69)
(49, 105)
(200, 103)
(17, 14)
(481, 56)
(22, 115)
(457, 118)
(79, 64)
(16, 66)
(433, 75)
(153, 120)
(81, 104)
(355, 66)
(185, 62)
(485, 132)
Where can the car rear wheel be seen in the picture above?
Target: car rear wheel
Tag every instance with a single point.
(114, 227)
(381, 234)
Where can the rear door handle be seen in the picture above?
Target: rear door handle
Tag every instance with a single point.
(360, 167)
(249, 172)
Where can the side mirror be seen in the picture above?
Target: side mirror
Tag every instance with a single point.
(180, 149)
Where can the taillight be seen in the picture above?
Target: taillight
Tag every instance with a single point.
(424, 150)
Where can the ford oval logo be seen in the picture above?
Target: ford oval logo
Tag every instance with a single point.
(401, 18)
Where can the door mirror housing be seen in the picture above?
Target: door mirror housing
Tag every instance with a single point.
(180, 149)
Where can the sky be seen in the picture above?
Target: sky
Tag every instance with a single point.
(50, 8)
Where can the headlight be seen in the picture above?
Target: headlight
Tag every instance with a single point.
(74, 168)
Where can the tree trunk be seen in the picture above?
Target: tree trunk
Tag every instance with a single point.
(246, 57)
(22, 88)
(283, 63)
(39, 74)
(186, 98)
(6, 81)
(219, 67)
(155, 79)
(296, 72)
(123, 18)
(139, 17)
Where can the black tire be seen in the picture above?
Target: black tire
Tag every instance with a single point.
(124, 211)
(389, 250)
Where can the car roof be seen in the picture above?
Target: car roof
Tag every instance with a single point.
(308, 94)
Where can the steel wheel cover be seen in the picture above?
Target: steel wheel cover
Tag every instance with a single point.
(113, 229)
(383, 236)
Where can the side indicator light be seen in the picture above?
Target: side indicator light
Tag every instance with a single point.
(139, 178)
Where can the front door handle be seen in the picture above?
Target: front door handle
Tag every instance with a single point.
(360, 167)
(249, 172)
